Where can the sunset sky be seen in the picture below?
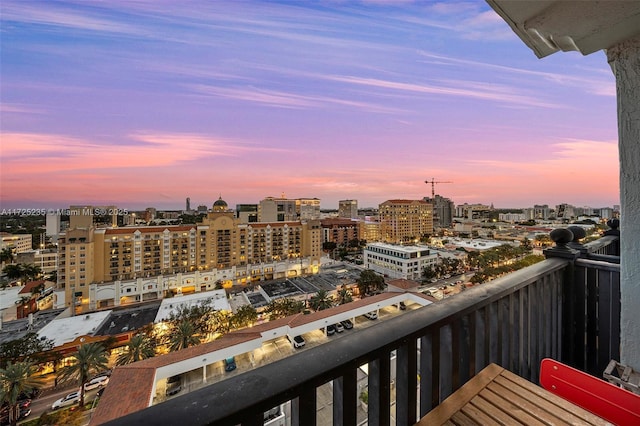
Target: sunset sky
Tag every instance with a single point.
(140, 104)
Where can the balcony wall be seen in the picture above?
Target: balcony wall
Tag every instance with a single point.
(566, 307)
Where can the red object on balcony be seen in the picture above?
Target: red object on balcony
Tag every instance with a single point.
(602, 398)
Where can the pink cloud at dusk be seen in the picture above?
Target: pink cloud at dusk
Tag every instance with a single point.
(143, 104)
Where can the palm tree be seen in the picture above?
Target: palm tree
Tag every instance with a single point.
(30, 271)
(344, 296)
(321, 300)
(90, 359)
(16, 379)
(182, 336)
(6, 254)
(139, 347)
(13, 271)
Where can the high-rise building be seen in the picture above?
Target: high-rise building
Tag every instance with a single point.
(308, 208)
(541, 211)
(442, 211)
(405, 221)
(348, 208)
(277, 210)
(247, 213)
(188, 204)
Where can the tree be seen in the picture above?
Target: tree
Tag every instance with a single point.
(329, 246)
(200, 316)
(139, 347)
(22, 270)
(244, 316)
(13, 272)
(284, 307)
(16, 379)
(183, 335)
(90, 359)
(6, 255)
(30, 271)
(321, 300)
(370, 282)
(27, 348)
(344, 296)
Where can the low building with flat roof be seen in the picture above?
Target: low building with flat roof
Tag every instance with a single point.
(398, 261)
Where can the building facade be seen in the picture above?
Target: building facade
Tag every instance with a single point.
(395, 261)
(277, 210)
(236, 253)
(405, 221)
(18, 243)
(348, 209)
(340, 231)
(443, 209)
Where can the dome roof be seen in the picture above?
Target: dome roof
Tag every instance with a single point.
(220, 205)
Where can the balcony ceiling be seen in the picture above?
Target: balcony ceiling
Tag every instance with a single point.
(584, 26)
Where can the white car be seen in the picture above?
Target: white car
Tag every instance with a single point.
(98, 382)
(68, 400)
(373, 315)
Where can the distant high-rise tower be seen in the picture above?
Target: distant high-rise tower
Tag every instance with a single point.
(348, 208)
(188, 204)
(404, 221)
(442, 211)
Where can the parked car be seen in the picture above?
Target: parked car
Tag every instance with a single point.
(174, 385)
(339, 327)
(331, 329)
(98, 382)
(4, 414)
(298, 342)
(230, 364)
(347, 324)
(68, 400)
(373, 315)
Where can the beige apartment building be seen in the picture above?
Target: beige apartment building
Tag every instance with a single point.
(249, 251)
(18, 243)
(404, 221)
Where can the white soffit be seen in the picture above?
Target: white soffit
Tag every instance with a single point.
(584, 26)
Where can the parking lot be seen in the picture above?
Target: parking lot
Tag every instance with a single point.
(274, 350)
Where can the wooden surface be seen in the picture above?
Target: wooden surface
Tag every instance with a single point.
(497, 396)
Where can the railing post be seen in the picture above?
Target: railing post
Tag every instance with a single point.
(573, 299)
(614, 224)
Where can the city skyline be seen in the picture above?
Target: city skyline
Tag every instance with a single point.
(139, 105)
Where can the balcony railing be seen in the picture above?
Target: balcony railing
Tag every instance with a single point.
(566, 307)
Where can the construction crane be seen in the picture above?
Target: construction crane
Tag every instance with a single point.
(433, 186)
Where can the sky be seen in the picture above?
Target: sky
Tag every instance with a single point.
(145, 103)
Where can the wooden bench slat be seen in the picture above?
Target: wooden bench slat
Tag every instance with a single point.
(461, 397)
(497, 396)
(461, 419)
(566, 406)
(510, 408)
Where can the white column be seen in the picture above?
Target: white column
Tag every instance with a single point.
(624, 59)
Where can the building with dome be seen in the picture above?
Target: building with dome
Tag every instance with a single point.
(104, 267)
(220, 206)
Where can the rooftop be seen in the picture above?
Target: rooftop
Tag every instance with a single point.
(218, 299)
(66, 330)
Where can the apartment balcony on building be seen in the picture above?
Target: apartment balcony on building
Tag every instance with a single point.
(566, 307)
